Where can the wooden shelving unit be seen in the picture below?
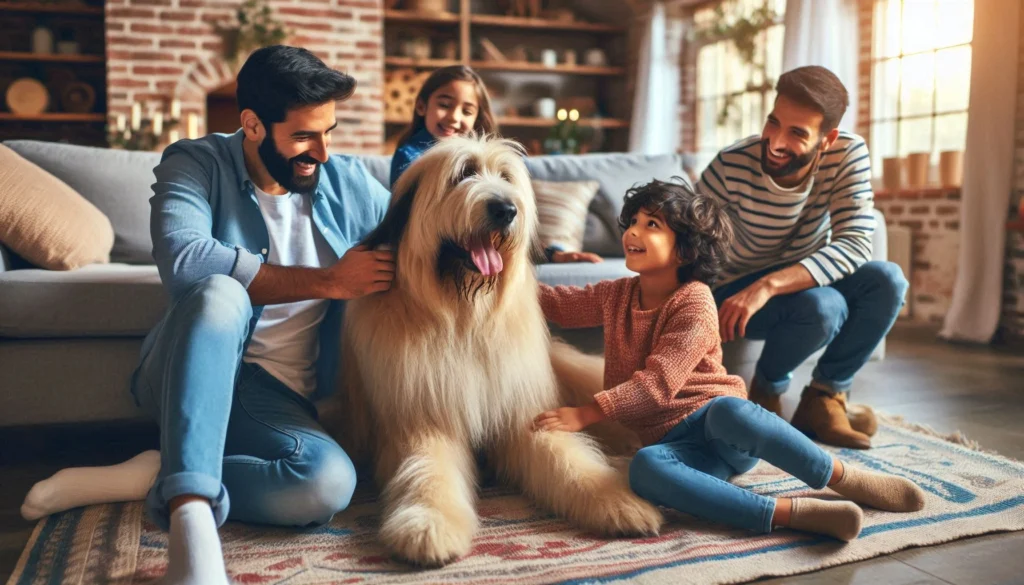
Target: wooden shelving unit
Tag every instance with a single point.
(466, 25)
(1016, 225)
(19, 62)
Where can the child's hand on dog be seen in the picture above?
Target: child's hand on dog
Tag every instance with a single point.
(568, 418)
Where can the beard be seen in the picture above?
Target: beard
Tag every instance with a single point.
(795, 162)
(283, 169)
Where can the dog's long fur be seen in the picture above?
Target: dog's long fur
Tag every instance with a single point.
(449, 361)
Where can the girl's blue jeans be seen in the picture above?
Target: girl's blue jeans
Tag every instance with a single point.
(688, 469)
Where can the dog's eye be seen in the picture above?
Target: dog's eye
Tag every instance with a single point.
(468, 170)
(506, 176)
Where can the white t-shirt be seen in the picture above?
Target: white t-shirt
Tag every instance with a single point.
(286, 340)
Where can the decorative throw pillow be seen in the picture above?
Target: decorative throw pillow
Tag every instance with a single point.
(562, 211)
(46, 222)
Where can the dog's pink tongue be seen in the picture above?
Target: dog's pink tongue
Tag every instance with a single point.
(488, 261)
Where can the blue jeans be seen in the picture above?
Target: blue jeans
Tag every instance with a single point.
(850, 316)
(230, 428)
(688, 469)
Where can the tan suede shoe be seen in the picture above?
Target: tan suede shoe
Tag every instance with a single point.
(862, 418)
(822, 415)
(766, 400)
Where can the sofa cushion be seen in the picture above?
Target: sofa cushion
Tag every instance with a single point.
(616, 173)
(118, 182)
(562, 211)
(45, 221)
(100, 300)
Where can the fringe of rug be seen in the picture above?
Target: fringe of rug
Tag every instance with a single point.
(956, 437)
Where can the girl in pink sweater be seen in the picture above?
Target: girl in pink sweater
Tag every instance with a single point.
(664, 379)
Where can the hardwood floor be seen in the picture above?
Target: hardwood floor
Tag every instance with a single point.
(977, 390)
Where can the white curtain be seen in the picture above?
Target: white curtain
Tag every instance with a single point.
(655, 125)
(824, 32)
(988, 172)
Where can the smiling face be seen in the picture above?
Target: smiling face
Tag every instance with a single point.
(451, 110)
(649, 244)
(792, 141)
(294, 149)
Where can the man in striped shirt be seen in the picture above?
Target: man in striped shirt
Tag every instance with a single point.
(801, 276)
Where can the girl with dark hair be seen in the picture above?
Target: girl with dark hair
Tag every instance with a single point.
(664, 380)
(452, 102)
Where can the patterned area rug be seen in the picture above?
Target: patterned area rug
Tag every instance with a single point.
(969, 493)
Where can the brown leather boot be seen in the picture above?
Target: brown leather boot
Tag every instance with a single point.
(822, 415)
(766, 400)
(862, 418)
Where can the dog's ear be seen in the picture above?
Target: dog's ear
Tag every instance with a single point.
(390, 230)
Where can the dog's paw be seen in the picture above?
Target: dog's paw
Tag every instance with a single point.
(620, 512)
(426, 536)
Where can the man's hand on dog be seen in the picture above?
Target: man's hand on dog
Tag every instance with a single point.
(360, 272)
(568, 418)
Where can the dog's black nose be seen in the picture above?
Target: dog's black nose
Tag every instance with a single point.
(501, 212)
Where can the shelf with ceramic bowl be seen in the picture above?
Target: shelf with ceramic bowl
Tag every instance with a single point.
(50, 58)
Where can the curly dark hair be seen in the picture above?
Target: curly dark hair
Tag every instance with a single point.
(700, 222)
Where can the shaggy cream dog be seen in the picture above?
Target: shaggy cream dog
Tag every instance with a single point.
(455, 358)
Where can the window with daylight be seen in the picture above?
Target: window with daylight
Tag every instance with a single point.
(735, 92)
(920, 77)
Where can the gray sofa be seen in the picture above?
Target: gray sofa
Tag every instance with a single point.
(70, 340)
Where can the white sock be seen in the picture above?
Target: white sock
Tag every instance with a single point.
(83, 486)
(194, 555)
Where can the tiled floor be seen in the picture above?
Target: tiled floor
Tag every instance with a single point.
(978, 390)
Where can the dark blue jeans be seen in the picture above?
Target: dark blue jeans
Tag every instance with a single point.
(688, 469)
(850, 317)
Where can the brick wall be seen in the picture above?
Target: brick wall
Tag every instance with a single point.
(1012, 320)
(161, 49)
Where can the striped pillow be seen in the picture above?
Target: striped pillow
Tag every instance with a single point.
(562, 211)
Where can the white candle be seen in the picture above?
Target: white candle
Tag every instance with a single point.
(158, 124)
(193, 127)
(120, 122)
(136, 116)
(175, 109)
(172, 137)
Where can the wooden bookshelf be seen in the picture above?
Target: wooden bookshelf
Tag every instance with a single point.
(52, 58)
(471, 21)
(498, 21)
(54, 117)
(72, 127)
(1016, 225)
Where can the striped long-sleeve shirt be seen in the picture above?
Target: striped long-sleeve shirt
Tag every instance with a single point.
(824, 224)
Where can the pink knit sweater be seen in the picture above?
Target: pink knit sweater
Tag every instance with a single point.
(662, 364)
